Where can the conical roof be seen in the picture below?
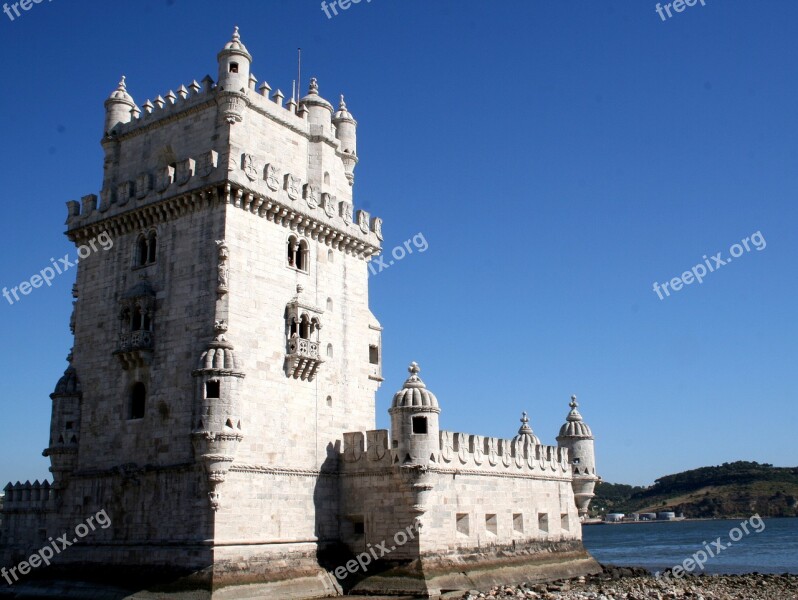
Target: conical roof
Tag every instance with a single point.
(574, 426)
(414, 393)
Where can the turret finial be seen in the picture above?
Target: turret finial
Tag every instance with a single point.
(236, 36)
(314, 86)
(525, 428)
(122, 87)
(342, 105)
(414, 369)
(573, 403)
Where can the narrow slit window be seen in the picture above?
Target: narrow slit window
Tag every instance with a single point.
(138, 399)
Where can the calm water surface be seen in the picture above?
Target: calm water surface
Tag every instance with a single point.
(657, 546)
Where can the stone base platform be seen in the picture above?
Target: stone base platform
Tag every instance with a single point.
(431, 576)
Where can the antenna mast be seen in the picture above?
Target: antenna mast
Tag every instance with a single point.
(298, 73)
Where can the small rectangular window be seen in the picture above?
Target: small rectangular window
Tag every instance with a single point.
(234, 67)
(462, 523)
(420, 425)
(69, 425)
(491, 524)
(212, 389)
(543, 522)
(518, 523)
(358, 525)
(374, 355)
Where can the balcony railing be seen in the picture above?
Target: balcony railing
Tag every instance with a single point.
(135, 348)
(135, 340)
(303, 358)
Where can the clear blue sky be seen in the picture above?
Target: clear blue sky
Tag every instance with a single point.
(559, 158)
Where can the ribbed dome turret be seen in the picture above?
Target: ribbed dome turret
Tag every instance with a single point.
(414, 393)
(525, 433)
(343, 114)
(68, 385)
(574, 426)
(219, 355)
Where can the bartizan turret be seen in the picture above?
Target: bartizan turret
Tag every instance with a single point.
(414, 422)
(578, 438)
(234, 65)
(64, 426)
(346, 132)
(119, 108)
(234, 72)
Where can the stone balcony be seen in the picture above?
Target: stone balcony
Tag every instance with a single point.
(303, 358)
(135, 348)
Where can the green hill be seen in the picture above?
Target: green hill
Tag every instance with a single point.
(737, 489)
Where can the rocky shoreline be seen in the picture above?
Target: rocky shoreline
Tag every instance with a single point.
(618, 583)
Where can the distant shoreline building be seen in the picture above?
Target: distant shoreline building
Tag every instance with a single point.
(219, 403)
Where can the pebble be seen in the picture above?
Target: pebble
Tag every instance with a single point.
(638, 584)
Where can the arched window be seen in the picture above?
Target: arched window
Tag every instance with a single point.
(315, 326)
(137, 324)
(304, 328)
(302, 256)
(298, 253)
(151, 247)
(329, 304)
(292, 250)
(329, 350)
(146, 249)
(141, 251)
(326, 178)
(330, 256)
(138, 401)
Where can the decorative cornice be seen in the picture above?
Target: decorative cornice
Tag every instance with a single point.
(227, 193)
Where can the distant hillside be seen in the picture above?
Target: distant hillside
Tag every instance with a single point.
(735, 489)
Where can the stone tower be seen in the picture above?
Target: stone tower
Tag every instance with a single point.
(576, 435)
(219, 403)
(224, 344)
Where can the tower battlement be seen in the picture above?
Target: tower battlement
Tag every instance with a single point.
(462, 451)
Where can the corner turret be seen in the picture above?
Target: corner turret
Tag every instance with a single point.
(319, 110)
(345, 129)
(234, 65)
(414, 422)
(346, 132)
(119, 107)
(576, 435)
